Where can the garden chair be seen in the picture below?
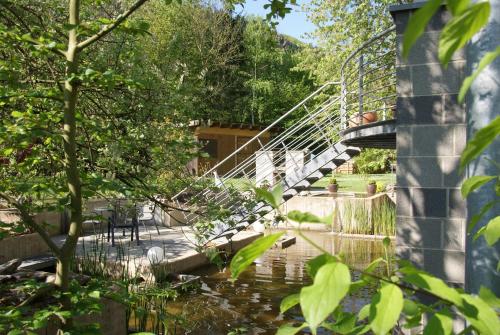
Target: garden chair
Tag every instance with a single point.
(124, 216)
(146, 213)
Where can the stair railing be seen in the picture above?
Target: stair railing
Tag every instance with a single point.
(368, 78)
(310, 128)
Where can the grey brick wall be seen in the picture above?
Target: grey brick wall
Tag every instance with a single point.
(431, 134)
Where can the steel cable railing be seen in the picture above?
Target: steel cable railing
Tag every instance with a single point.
(311, 128)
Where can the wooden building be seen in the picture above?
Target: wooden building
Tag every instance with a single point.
(220, 140)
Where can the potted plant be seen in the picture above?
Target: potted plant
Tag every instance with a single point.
(366, 118)
(332, 185)
(380, 187)
(371, 188)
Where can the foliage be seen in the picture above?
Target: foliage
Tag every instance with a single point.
(341, 27)
(332, 181)
(380, 186)
(269, 76)
(393, 307)
(84, 112)
(372, 161)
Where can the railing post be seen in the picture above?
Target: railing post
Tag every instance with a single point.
(343, 102)
(360, 88)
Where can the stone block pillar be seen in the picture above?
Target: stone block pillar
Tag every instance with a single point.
(294, 163)
(431, 134)
(264, 168)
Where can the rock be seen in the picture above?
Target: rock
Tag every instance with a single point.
(81, 279)
(6, 278)
(10, 267)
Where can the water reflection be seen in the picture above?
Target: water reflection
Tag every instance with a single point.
(253, 301)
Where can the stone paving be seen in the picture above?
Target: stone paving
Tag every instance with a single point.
(177, 243)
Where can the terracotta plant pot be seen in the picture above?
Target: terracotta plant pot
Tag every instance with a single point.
(367, 118)
(333, 188)
(371, 188)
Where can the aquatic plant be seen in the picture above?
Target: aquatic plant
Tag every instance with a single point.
(375, 218)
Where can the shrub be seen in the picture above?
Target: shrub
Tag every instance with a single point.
(372, 161)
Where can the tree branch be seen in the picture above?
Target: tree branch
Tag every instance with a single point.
(110, 27)
(28, 220)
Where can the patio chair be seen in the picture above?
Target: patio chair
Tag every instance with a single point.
(124, 216)
(146, 213)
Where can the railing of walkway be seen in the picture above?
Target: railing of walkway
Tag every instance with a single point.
(369, 81)
(310, 128)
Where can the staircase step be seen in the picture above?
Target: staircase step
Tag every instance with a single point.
(302, 187)
(289, 194)
(312, 180)
(242, 225)
(229, 233)
(325, 170)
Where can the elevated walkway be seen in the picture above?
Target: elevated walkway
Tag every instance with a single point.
(380, 135)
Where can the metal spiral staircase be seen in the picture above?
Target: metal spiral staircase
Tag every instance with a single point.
(309, 146)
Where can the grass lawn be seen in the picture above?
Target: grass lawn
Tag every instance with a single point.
(356, 182)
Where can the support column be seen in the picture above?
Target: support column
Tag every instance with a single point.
(483, 105)
(431, 135)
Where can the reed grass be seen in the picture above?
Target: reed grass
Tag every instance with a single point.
(362, 217)
(146, 301)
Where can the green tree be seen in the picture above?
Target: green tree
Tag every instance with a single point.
(341, 27)
(273, 83)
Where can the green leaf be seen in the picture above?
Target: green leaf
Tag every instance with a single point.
(277, 193)
(248, 254)
(457, 7)
(302, 217)
(313, 265)
(474, 183)
(343, 325)
(385, 308)
(364, 312)
(492, 231)
(417, 23)
(410, 308)
(17, 114)
(8, 151)
(288, 329)
(476, 217)
(460, 29)
(371, 267)
(289, 301)
(441, 323)
(485, 61)
(483, 138)
(489, 297)
(330, 285)
(273, 197)
(481, 316)
(95, 294)
(433, 285)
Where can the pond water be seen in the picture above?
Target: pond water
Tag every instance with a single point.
(251, 304)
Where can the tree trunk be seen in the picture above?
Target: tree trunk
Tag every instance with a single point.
(70, 157)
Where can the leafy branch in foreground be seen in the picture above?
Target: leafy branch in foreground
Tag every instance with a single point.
(393, 307)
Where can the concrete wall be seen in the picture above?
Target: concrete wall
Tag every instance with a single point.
(22, 246)
(431, 134)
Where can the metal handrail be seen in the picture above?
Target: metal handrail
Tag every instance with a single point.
(262, 132)
(367, 76)
(366, 81)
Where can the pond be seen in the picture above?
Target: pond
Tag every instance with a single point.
(251, 304)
